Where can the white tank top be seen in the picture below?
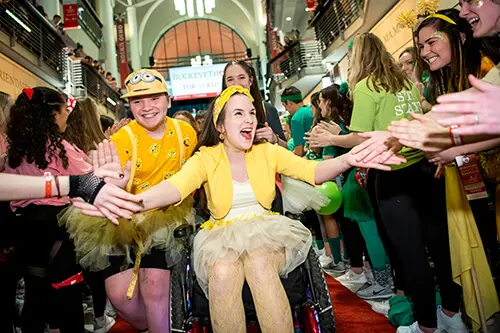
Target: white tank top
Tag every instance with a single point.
(245, 203)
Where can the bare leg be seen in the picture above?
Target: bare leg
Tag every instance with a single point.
(154, 287)
(224, 294)
(133, 311)
(262, 267)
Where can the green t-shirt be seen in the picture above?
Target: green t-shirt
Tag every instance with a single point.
(300, 124)
(290, 145)
(374, 111)
(335, 151)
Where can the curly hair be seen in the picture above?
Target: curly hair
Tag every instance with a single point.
(339, 106)
(32, 132)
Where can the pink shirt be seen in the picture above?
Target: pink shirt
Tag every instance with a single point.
(76, 166)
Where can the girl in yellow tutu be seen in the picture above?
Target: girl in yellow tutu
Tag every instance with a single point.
(244, 240)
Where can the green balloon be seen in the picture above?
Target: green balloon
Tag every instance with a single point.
(331, 191)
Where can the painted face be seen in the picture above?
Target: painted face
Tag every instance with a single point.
(435, 48)
(62, 118)
(407, 63)
(240, 123)
(236, 76)
(150, 110)
(482, 15)
(323, 106)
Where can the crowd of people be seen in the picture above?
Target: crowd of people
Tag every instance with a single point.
(94, 205)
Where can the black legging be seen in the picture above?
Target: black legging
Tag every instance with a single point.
(95, 282)
(60, 308)
(412, 206)
(354, 242)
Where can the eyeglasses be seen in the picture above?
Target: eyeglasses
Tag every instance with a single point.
(144, 77)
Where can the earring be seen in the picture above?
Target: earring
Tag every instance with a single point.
(221, 136)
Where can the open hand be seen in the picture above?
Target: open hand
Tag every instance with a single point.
(380, 146)
(266, 133)
(332, 127)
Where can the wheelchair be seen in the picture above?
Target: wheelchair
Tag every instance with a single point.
(306, 289)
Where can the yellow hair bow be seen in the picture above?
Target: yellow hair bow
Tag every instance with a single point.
(221, 101)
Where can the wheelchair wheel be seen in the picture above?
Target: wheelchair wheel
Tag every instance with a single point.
(322, 294)
(178, 295)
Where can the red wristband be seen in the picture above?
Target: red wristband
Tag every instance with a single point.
(456, 139)
(48, 184)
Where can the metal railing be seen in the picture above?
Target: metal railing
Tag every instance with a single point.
(333, 17)
(299, 57)
(184, 61)
(27, 27)
(83, 80)
(89, 22)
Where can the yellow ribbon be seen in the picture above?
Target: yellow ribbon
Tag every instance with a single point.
(442, 17)
(221, 101)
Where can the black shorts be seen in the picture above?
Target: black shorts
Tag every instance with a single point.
(155, 259)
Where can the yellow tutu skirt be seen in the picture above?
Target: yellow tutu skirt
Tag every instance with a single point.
(96, 239)
(229, 240)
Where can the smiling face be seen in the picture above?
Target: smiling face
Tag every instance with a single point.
(236, 76)
(482, 15)
(150, 110)
(240, 123)
(434, 47)
(407, 63)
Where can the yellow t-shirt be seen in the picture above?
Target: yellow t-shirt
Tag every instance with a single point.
(157, 160)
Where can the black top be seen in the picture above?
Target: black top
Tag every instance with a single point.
(273, 119)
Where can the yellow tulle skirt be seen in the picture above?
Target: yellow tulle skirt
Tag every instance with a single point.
(96, 239)
(229, 240)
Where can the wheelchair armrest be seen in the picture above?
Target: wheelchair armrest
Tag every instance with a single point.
(183, 231)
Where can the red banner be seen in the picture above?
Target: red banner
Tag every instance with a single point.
(121, 43)
(272, 36)
(311, 5)
(70, 13)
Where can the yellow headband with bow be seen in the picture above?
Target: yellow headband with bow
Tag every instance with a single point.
(221, 101)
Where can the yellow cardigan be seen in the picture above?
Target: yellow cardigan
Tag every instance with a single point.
(210, 167)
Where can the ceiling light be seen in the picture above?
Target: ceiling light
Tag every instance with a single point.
(288, 18)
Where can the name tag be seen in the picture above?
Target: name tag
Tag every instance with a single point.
(472, 181)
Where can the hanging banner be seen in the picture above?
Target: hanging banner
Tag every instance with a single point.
(311, 5)
(121, 45)
(272, 36)
(70, 14)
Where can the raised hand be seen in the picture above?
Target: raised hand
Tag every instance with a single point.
(266, 133)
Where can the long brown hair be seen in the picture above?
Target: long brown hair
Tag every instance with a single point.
(84, 126)
(258, 102)
(315, 103)
(465, 58)
(339, 106)
(370, 59)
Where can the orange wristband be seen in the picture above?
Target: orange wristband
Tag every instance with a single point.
(48, 184)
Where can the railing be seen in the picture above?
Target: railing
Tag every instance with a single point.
(83, 80)
(25, 26)
(333, 17)
(299, 57)
(166, 63)
(89, 22)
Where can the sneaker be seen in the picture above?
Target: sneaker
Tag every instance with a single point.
(413, 328)
(381, 307)
(336, 268)
(453, 324)
(375, 291)
(103, 325)
(325, 260)
(110, 310)
(352, 277)
(369, 275)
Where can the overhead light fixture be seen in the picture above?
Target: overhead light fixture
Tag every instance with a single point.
(188, 7)
(111, 101)
(288, 18)
(15, 18)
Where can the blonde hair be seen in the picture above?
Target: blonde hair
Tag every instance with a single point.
(84, 125)
(370, 59)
